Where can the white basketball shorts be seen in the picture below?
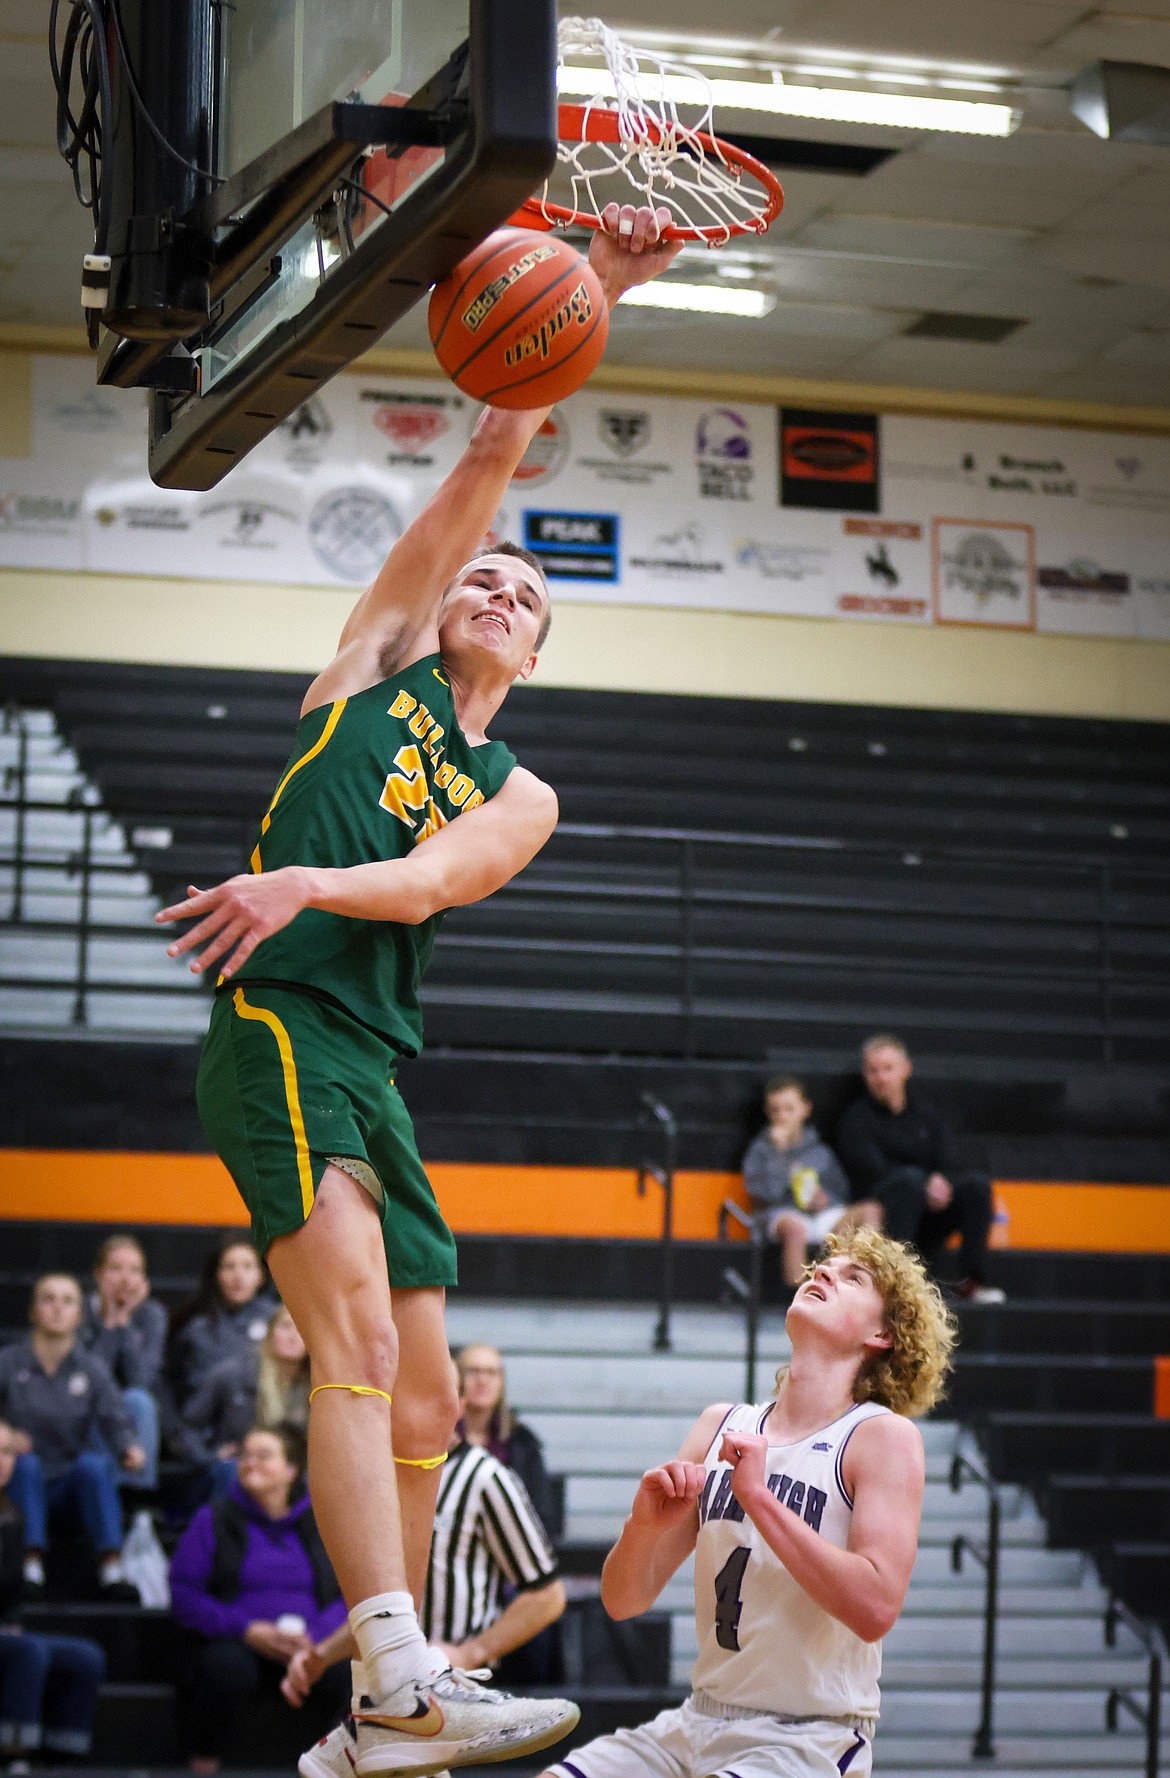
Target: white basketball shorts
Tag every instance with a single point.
(685, 1743)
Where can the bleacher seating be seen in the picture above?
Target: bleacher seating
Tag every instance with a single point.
(991, 885)
(735, 884)
(583, 1374)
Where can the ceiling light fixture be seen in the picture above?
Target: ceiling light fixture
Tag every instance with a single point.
(903, 111)
(702, 299)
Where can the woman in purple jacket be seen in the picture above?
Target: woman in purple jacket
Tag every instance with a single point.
(252, 1583)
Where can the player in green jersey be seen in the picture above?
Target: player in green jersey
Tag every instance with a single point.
(395, 806)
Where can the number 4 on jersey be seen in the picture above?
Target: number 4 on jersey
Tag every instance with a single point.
(728, 1604)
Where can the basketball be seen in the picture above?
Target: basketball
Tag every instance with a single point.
(521, 322)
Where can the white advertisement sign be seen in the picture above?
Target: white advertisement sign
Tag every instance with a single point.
(654, 500)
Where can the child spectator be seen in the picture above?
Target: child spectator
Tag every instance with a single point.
(68, 1417)
(798, 1190)
(126, 1328)
(251, 1582)
(264, 1386)
(228, 1314)
(48, 1684)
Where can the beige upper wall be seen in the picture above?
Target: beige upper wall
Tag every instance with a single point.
(637, 648)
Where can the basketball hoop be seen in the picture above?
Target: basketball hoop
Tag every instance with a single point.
(637, 141)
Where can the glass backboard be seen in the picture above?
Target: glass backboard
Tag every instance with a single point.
(337, 215)
(281, 61)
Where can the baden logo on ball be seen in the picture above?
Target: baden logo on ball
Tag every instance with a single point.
(521, 322)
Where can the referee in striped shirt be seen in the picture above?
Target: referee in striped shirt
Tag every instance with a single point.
(488, 1541)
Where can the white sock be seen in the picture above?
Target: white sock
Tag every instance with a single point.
(359, 1682)
(34, 1571)
(391, 1645)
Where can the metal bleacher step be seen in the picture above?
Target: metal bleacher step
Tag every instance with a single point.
(1097, 1755)
(550, 1328)
(1023, 1674)
(1026, 1710)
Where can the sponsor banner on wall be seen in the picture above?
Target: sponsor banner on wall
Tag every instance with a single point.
(650, 500)
(829, 461)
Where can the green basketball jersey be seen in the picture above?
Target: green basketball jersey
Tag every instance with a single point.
(371, 777)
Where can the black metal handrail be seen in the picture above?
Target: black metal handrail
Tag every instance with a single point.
(748, 1289)
(655, 1118)
(1121, 1698)
(987, 1555)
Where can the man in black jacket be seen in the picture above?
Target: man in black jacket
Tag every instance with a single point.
(901, 1151)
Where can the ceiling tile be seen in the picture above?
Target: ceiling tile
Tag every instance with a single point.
(906, 237)
(1144, 346)
(1136, 35)
(841, 277)
(725, 344)
(1038, 290)
(1134, 258)
(950, 364)
(1129, 387)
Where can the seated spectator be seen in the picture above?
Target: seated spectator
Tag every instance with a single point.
(126, 1328)
(251, 1582)
(798, 1191)
(900, 1150)
(492, 1585)
(68, 1417)
(265, 1386)
(228, 1314)
(487, 1420)
(48, 1684)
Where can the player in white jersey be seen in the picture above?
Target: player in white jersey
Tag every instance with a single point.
(803, 1516)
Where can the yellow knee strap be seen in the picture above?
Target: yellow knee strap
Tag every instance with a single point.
(353, 1388)
(423, 1462)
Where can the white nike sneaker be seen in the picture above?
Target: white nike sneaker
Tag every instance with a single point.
(333, 1756)
(451, 1720)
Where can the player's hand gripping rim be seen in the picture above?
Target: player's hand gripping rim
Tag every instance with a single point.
(627, 249)
(235, 916)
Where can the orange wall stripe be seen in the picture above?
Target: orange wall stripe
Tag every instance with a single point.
(1162, 1388)
(72, 1186)
(88, 1186)
(1087, 1218)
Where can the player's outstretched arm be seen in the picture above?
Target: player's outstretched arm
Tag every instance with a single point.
(864, 1586)
(396, 618)
(468, 859)
(663, 1524)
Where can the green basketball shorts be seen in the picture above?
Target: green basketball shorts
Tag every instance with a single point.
(288, 1085)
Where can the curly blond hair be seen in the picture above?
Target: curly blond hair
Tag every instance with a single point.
(910, 1376)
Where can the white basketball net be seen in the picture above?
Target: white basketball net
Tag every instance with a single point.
(662, 159)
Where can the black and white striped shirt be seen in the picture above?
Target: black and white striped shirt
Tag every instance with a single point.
(487, 1535)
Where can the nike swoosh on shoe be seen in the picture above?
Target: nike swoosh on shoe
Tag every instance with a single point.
(425, 1722)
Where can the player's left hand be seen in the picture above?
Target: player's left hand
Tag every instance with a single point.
(627, 249)
(747, 1453)
(236, 915)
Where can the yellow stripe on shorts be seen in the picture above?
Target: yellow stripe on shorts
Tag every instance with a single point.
(291, 1090)
(318, 746)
